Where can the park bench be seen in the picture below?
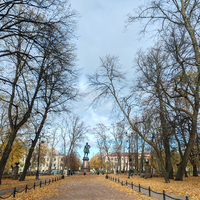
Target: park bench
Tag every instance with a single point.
(136, 174)
(41, 174)
(6, 176)
(157, 175)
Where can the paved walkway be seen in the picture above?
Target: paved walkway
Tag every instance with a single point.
(90, 189)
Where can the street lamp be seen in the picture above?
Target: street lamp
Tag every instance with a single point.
(37, 173)
(129, 140)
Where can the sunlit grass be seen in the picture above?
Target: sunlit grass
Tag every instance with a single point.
(188, 187)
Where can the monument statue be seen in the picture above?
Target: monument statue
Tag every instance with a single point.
(86, 149)
(86, 167)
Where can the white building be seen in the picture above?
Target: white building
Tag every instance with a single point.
(57, 162)
(125, 164)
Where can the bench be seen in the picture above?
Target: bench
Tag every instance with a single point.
(157, 175)
(6, 176)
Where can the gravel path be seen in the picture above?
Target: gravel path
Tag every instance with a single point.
(90, 189)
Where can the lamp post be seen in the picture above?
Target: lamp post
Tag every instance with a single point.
(129, 140)
(37, 173)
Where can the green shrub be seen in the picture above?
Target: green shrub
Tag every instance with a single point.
(142, 176)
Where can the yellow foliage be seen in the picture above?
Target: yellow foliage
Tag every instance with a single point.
(15, 155)
(95, 163)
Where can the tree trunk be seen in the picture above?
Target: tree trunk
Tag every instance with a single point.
(136, 155)
(169, 167)
(195, 172)
(186, 175)
(164, 172)
(146, 140)
(120, 163)
(166, 135)
(28, 160)
(34, 142)
(50, 161)
(183, 164)
(6, 153)
(142, 158)
(158, 164)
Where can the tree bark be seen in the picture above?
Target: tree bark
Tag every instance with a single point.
(34, 142)
(28, 159)
(142, 157)
(195, 172)
(183, 164)
(6, 153)
(165, 132)
(50, 160)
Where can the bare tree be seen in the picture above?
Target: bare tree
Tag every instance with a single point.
(73, 132)
(152, 66)
(184, 16)
(105, 84)
(53, 142)
(104, 140)
(42, 79)
(118, 131)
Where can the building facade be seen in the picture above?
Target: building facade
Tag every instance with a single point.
(57, 162)
(126, 160)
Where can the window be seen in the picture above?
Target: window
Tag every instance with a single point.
(54, 159)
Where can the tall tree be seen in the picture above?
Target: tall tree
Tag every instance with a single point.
(42, 54)
(152, 66)
(118, 131)
(105, 85)
(73, 133)
(181, 15)
(53, 143)
(104, 141)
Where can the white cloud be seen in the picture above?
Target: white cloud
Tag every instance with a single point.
(101, 31)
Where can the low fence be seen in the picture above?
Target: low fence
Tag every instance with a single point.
(40, 174)
(9, 176)
(38, 184)
(163, 195)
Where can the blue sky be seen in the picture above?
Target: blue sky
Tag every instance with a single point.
(101, 31)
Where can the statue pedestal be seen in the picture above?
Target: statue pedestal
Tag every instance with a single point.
(85, 167)
(15, 172)
(148, 171)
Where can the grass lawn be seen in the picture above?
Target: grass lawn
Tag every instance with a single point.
(9, 183)
(38, 193)
(188, 187)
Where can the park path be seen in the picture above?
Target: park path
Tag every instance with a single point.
(91, 188)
